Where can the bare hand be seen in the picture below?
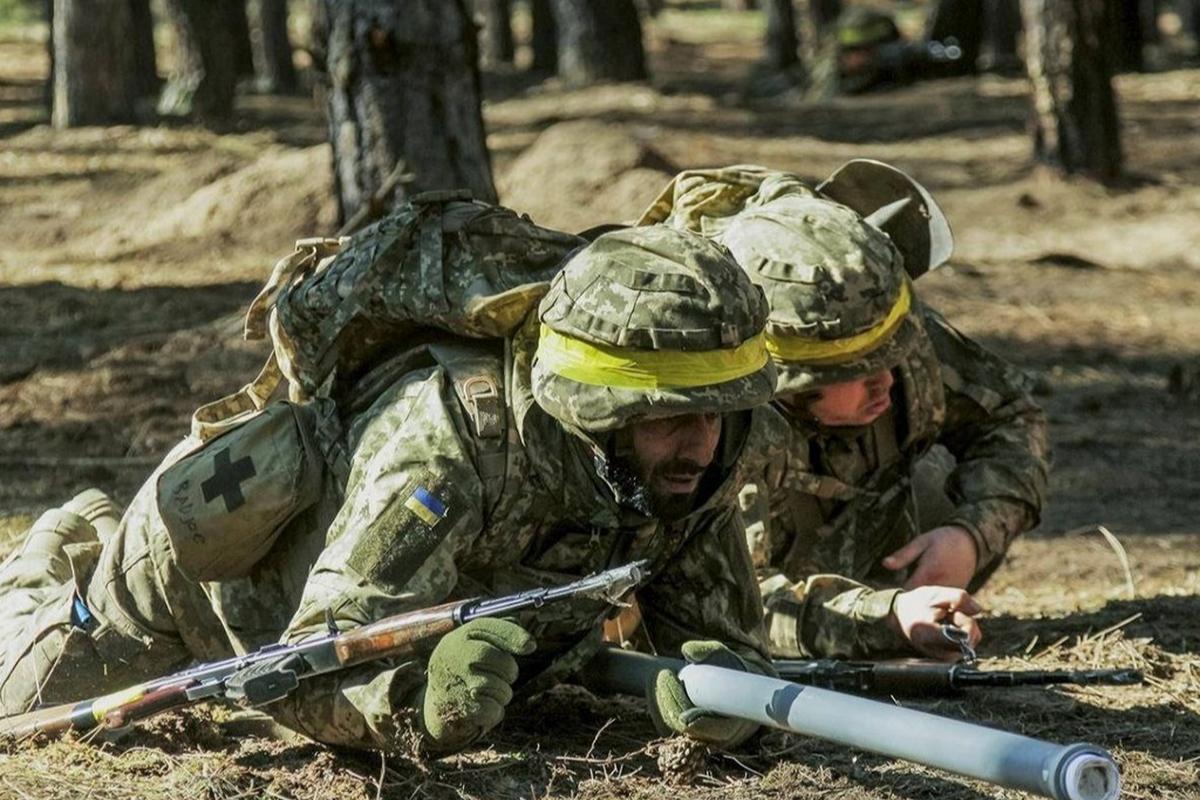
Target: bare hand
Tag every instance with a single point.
(919, 614)
(944, 556)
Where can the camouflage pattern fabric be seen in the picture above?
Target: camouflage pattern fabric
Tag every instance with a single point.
(610, 297)
(442, 498)
(822, 516)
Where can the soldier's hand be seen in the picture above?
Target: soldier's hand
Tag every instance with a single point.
(673, 711)
(944, 556)
(920, 613)
(470, 677)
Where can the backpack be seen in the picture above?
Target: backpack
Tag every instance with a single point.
(335, 308)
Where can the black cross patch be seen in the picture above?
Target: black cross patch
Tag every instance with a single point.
(227, 478)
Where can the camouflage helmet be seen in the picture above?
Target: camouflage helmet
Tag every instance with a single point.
(650, 322)
(842, 305)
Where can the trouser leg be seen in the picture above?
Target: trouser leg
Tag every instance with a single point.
(90, 618)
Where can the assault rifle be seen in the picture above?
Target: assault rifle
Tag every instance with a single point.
(916, 677)
(271, 673)
(1065, 772)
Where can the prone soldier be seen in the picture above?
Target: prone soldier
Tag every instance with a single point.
(617, 424)
(915, 455)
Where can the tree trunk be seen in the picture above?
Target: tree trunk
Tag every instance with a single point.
(404, 93)
(1190, 10)
(1002, 28)
(818, 46)
(238, 23)
(95, 74)
(273, 66)
(1126, 36)
(142, 43)
(599, 40)
(48, 87)
(1074, 121)
(544, 38)
(204, 80)
(782, 45)
(497, 35)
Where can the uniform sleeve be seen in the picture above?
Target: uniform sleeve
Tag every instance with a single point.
(707, 591)
(829, 616)
(997, 433)
(413, 504)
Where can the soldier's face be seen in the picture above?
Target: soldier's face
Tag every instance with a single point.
(850, 403)
(671, 455)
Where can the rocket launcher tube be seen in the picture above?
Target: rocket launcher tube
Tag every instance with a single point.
(1063, 772)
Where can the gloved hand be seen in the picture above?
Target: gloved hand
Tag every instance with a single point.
(673, 712)
(469, 680)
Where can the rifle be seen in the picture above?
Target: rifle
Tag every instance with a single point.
(918, 677)
(272, 672)
(1064, 772)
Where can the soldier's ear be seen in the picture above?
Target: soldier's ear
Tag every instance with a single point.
(898, 206)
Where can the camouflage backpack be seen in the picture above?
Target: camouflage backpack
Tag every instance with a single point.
(440, 263)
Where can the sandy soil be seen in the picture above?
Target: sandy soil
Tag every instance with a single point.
(128, 251)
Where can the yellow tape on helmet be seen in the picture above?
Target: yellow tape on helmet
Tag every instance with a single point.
(626, 368)
(840, 351)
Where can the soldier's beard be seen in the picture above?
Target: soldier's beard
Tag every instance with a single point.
(635, 488)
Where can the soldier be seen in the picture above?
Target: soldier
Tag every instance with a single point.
(870, 380)
(618, 424)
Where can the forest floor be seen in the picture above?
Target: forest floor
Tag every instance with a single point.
(127, 251)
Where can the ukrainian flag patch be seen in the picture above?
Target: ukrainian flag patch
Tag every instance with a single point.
(426, 506)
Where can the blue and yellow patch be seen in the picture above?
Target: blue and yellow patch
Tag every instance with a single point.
(426, 506)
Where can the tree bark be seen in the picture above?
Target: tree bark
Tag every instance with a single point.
(143, 48)
(404, 92)
(204, 81)
(238, 23)
(95, 74)
(544, 38)
(48, 87)
(273, 65)
(496, 36)
(818, 46)
(598, 41)
(1002, 27)
(782, 44)
(1075, 124)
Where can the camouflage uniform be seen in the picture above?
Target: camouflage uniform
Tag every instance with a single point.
(820, 520)
(474, 473)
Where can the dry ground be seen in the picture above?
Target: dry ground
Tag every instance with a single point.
(127, 250)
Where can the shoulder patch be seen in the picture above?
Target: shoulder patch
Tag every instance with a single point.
(428, 507)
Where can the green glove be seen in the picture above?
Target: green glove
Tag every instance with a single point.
(469, 680)
(673, 711)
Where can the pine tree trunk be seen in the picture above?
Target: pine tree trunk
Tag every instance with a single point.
(497, 35)
(238, 22)
(142, 43)
(1002, 27)
(95, 74)
(48, 87)
(544, 38)
(273, 66)
(598, 41)
(204, 81)
(404, 92)
(1075, 125)
(782, 44)
(818, 46)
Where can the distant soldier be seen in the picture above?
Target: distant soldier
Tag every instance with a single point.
(617, 424)
(916, 456)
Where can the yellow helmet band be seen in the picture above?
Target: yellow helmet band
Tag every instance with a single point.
(626, 368)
